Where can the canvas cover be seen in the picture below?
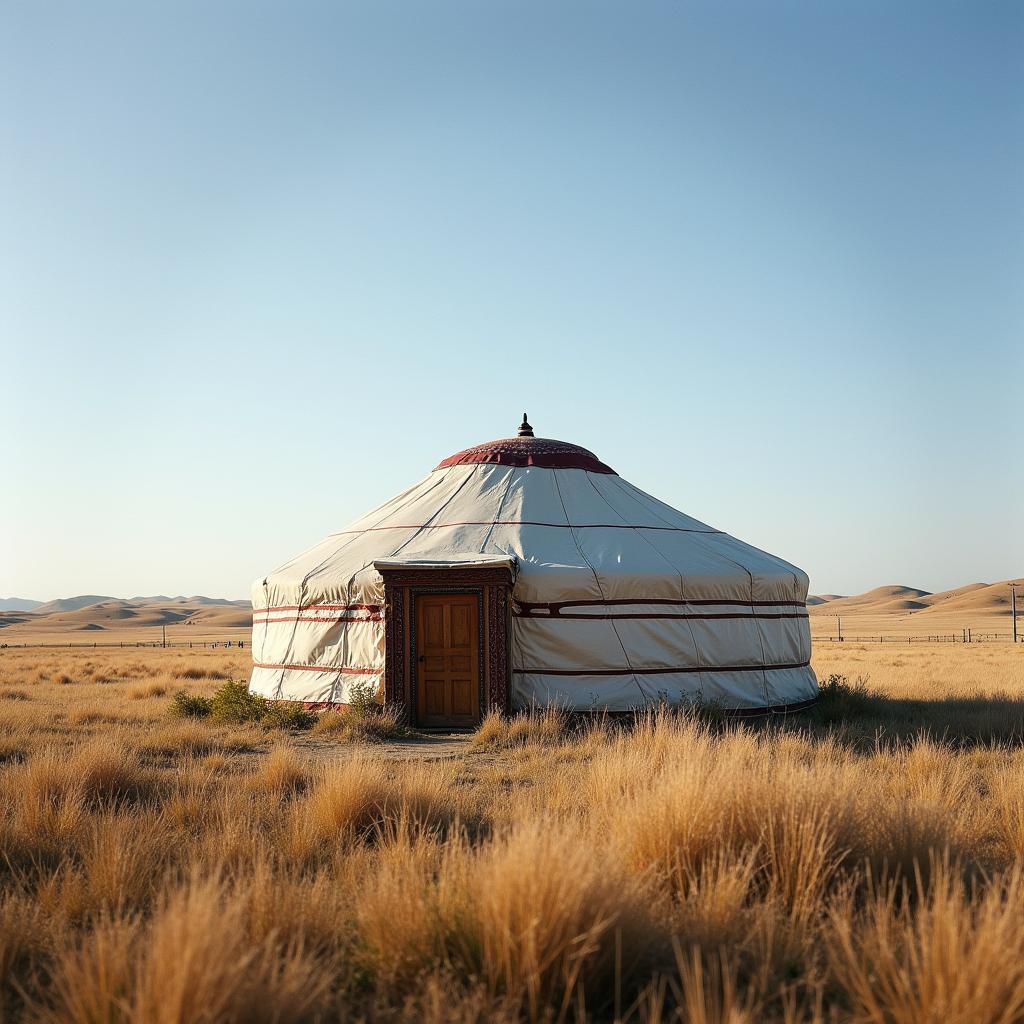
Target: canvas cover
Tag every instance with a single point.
(619, 600)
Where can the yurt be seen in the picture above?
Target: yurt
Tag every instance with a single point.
(527, 572)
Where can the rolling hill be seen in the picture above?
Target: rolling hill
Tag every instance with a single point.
(18, 604)
(880, 597)
(903, 610)
(976, 597)
(71, 604)
(127, 620)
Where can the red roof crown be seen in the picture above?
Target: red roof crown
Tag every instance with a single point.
(530, 451)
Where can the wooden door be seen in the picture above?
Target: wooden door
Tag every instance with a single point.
(447, 661)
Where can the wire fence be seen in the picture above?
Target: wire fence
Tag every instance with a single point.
(196, 644)
(967, 636)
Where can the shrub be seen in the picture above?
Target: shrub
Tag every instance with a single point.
(840, 699)
(362, 699)
(364, 718)
(234, 703)
(190, 705)
(287, 716)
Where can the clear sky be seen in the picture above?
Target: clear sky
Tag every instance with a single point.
(263, 265)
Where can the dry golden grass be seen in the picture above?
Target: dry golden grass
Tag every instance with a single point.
(862, 863)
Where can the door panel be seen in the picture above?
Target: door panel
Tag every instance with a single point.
(460, 633)
(433, 632)
(448, 660)
(462, 697)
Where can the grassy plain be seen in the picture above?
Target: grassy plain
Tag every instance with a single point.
(862, 863)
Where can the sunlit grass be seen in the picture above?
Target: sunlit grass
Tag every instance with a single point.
(861, 863)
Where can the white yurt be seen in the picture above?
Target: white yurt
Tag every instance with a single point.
(525, 572)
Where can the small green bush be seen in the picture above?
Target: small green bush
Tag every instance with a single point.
(362, 700)
(235, 704)
(840, 700)
(288, 716)
(368, 719)
(363, 718)
(190, 705)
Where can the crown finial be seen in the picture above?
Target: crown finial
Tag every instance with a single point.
(525, 430)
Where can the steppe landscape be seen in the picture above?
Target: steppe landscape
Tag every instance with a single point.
(166, 858)
(94, 619)
(892, 612)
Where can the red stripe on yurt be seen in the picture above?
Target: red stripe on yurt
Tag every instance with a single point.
(652, 671)
(324, 668)
(556, 606)
(562, 616)
(317, 608)
(312, 618)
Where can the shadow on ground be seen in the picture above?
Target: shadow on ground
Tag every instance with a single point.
(859, 716)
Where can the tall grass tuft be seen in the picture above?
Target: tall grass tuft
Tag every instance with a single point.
(952, 953)
(191, 962)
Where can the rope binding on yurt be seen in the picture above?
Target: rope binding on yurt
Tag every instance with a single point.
(525, 430)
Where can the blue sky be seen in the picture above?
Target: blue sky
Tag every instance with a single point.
(264, 265)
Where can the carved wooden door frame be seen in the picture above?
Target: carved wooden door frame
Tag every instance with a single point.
(492, 587)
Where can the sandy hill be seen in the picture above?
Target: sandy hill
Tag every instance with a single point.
(976, 597)
(948, 595)
(972, 597)
(109, 613)
(140, 615)
(71, 604)
(238, 616)
(900, 604)
(891, 598)
(12, 619)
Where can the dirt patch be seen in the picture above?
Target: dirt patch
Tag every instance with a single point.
(425, 747)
